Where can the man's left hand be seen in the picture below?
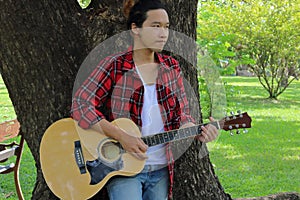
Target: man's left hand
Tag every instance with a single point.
(209, 132)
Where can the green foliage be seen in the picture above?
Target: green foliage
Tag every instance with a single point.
(84, 3)
(217, 43)
(204, 97)
(211, 88)
(263, 35)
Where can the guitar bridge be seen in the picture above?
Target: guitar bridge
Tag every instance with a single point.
(79, 157)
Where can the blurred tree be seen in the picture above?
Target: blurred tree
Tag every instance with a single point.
(262, 34)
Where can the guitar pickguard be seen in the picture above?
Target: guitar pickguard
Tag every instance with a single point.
(99, 169)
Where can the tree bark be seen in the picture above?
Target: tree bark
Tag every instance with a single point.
(43, 44)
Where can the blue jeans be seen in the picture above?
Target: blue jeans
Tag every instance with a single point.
(147, 185)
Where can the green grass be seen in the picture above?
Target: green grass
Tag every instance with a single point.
(267, 159)
(27, 168)
(264, 161)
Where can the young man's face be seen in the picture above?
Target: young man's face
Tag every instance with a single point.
(155, 30)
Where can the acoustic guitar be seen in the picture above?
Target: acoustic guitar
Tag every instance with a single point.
(77, 163)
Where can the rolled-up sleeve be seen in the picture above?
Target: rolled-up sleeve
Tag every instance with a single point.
(91, 95)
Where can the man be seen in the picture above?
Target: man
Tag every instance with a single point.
(146, 87)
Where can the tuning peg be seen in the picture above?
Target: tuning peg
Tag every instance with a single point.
(226, 117)
(240, 113)
(245, 131)
(231, 133)
(238, 132)
(233, 116)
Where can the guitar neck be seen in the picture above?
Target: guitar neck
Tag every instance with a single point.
(174, 135)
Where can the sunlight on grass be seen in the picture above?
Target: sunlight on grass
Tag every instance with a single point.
(265, 160)
(246, 83)
(7, 111)
(27, 171)
(291, 157)
(231, 152)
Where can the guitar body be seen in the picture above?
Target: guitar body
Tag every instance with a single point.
(77, 163)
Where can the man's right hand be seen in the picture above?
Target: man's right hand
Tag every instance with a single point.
(133, 145)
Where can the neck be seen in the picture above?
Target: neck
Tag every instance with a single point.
(174, 135)
(143, 56)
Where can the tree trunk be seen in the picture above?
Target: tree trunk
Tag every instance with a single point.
(43, 44)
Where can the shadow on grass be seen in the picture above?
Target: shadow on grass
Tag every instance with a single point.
(265, 160)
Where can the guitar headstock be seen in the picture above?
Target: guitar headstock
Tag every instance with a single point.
(239, 121)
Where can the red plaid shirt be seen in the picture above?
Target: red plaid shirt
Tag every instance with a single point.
(115, 90)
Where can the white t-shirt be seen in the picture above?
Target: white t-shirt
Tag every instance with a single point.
(152, 124)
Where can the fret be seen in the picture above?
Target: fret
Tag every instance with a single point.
(216, 124)
(145, 140)
(166, 137)
(161, 138)
(171, 135)
(178, 134)
(199, 130)
(194, 130)
(181, 133)
(152, 141)
(149, 141)
(157, 139)
(188, 131)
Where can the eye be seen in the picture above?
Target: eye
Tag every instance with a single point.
(156, 25)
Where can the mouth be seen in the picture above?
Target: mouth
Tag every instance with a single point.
(161, 41)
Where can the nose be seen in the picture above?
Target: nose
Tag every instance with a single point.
(164, 32)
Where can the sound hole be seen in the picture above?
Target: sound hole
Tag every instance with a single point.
(110, 151)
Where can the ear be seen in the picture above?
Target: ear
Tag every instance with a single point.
(134, 29)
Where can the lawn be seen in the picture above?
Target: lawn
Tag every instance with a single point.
(267, 159)
(264, 161)
(27, 168)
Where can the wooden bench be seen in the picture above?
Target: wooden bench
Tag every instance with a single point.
(8, 130)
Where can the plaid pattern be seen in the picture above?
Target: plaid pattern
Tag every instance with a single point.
(115, 90)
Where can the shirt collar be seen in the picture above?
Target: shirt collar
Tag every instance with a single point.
(129, 64)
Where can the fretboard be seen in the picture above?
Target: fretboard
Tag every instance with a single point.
(178, 134)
